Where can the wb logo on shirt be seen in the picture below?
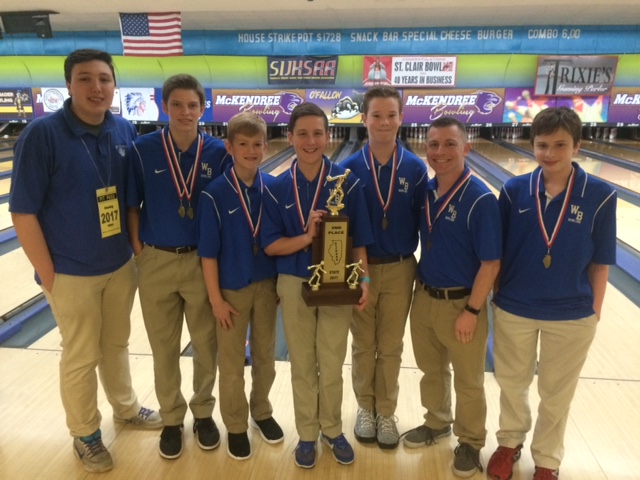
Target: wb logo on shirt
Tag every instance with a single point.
(451, 213)
(207, 171)
(404, 185)
(576, 214)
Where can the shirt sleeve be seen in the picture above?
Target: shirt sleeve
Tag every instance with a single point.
(208, 226)
(32, 164)
(604, 232)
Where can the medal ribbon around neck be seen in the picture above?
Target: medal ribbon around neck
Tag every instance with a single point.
(446, 201)
(394, 170)
(255, 229)
(565, 204)
(316, 196)
(184, 188)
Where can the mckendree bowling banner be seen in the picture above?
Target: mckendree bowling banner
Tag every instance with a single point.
(575, 75)
(274, 106)
(470, 106)
(151, 34)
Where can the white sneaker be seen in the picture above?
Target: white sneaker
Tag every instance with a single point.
(365, 429)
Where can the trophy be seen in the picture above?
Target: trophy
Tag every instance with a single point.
(334, 279)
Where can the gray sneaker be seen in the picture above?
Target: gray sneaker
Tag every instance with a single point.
(146, 418)
(424, 436)
(467, 461)
(92, 453)
(365, 429)
(387, 432)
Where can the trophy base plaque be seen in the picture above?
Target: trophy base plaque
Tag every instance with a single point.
(330, 295)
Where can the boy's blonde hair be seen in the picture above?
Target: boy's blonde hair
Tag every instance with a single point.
(246, 123)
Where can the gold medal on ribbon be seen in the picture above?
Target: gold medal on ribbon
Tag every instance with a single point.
(181, 211)
(256, 249)
(190, 212)
(546, 261)
(385, 222)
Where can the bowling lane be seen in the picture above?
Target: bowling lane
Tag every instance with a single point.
(611, 173)
(275, 146)
(612, 150)
(627, 215)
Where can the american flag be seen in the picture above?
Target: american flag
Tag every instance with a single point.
(151, 34)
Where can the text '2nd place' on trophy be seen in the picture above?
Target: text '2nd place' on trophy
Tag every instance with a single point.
(329, 283)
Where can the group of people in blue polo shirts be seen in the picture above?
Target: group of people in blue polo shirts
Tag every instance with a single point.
(220, 244)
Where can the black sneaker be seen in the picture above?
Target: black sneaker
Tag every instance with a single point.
(206, 432)
(171, 441)
(269, 430)
(466, 461)
(238, 446)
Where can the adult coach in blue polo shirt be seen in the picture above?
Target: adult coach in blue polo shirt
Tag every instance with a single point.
(392, 179)
(460, 235)
(168, 169)
(67, 200)
(560, 238)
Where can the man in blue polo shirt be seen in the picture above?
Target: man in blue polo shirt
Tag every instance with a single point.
(67, 200)
(241, 281)
(167, 171)
(316, 336)
(559, 240)
(393, 180)
(460, 236)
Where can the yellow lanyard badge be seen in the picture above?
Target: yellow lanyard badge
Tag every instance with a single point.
(108, 211)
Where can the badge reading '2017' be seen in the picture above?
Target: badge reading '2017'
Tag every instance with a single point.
(331, 283)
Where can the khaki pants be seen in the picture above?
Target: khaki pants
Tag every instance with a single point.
(435, 346)
(257, 304)
(377, 336)
(317, 342)
(172, 289)
(563, 350)
(93, 315)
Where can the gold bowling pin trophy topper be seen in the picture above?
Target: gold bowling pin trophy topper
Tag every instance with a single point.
(331, 253)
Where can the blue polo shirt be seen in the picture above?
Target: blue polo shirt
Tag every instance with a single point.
(467, 232)
(58, 167)
(587, 235)
(281, 215)
(401, 235)
(224, 232)
(152, 187)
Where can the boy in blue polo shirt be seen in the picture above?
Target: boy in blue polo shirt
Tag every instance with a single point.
(167, 171)
(316, 336)
(460, 238)
(241, 281)
(559, 240)
(392, 179)
(67, 200)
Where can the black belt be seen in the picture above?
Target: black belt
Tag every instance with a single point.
(176, 250)
(446, 293)
(389, 259)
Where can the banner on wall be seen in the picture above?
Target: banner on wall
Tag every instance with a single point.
(575, 75)
(410, 71)
(303, 69)
(520, 106)
(470, 106)
(48, 100)
(624, 106)
(341, 106)
(274, 106)
(15, 104)
(139, 104)
(589, 109)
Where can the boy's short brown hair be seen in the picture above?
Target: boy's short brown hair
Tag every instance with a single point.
(550, 120)
(380, 91)
(246, 123)
(307, 109)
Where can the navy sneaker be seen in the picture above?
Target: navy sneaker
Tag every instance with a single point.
(306, 454)
(341, 449)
